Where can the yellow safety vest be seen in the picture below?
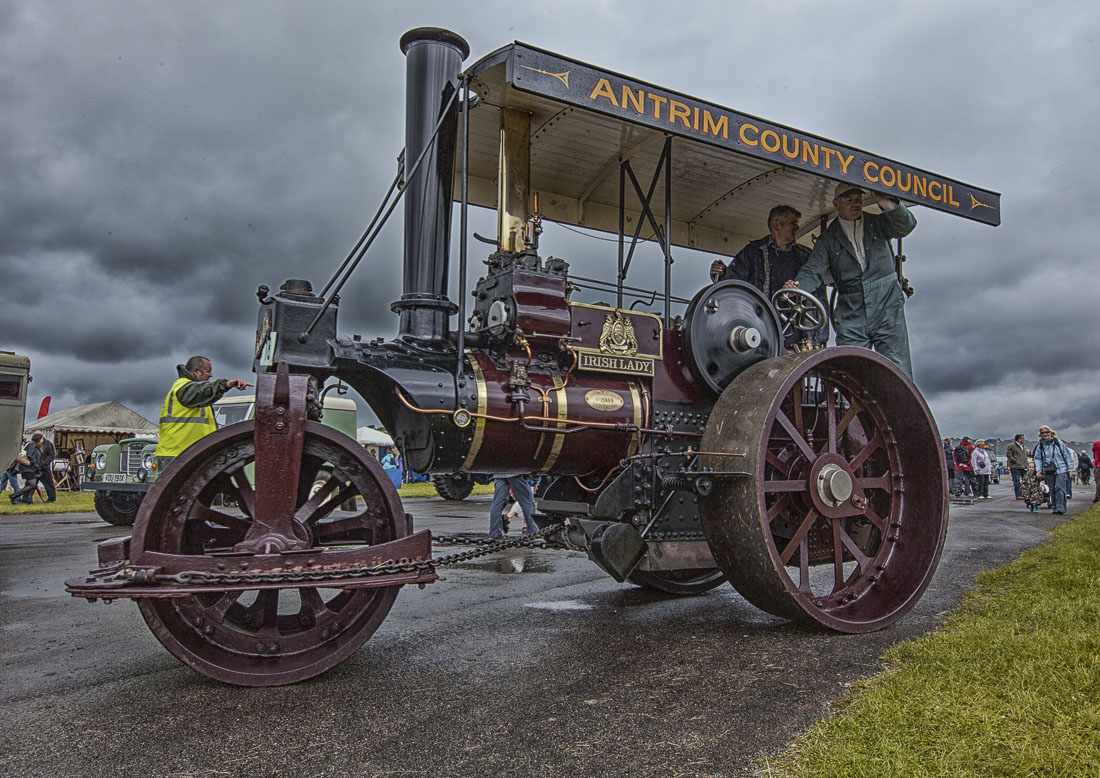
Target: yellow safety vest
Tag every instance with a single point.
(181, 426)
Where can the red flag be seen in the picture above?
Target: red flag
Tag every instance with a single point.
(44, 408)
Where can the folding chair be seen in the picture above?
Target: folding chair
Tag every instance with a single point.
(61, 479)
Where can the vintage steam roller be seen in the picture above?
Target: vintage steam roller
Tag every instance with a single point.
(679, 451)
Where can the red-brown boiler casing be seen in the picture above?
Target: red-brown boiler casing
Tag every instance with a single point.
(541, 441)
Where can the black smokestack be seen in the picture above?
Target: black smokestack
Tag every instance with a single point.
(433, 63)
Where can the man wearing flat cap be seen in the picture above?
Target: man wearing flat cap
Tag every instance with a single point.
(855, 250)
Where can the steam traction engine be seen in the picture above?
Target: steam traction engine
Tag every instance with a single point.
(678, 452)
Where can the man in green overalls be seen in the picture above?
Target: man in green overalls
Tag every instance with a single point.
(855, 249)
(185, 414)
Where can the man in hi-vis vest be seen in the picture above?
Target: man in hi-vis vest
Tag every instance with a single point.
(185, 415)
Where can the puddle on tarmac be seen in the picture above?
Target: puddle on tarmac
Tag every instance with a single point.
(507, 565)
(85, 521)
(559, 605)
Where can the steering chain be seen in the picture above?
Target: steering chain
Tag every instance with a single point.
(486, 547)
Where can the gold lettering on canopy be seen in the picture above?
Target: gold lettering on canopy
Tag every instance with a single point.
(788, 147)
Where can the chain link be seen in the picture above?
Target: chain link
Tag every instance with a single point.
(325, 575)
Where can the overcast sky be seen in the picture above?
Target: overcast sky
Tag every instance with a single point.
(160, 160)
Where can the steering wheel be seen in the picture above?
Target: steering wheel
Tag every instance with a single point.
(798, 310)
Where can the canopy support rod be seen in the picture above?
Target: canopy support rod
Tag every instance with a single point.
(663, 235)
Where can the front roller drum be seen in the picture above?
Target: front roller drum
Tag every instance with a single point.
(268, 636)
(840, 516)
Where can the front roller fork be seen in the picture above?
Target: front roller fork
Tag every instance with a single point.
(288, 585)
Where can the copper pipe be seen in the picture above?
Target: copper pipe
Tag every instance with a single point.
(412, 407)
(544, 394)
(600, 486)
(559, 431)
(521, 341)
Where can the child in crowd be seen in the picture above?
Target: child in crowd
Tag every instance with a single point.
(1031, 487)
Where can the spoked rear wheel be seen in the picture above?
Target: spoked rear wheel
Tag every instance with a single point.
(842, 516)
(267, 637)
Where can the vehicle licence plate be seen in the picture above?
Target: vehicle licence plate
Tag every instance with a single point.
(114, 478)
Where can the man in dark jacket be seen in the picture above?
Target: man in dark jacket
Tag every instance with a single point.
(949, 458)
(769, 262)
(855, 250)
(47, 453)
(1017, 463)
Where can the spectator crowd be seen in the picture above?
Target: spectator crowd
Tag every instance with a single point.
(1042, 475)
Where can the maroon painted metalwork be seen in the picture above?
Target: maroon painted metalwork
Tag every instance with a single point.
(593, 440)
(541, 308)
(240, 616)
(844, 519)
(280, 427)
(672, 378)
(264, 636)
(587, 327)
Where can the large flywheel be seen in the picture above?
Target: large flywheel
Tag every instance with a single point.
(841, 514)
(203, 506)
(729, 326)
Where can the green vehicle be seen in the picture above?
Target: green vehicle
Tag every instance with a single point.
(121, 473)
(14, 377)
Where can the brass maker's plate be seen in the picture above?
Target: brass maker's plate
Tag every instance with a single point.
(603, 400)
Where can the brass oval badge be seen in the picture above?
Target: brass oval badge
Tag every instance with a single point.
(603, 400)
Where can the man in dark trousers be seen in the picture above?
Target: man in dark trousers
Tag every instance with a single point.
(47, 454)
(503, 487)
(1017, 463)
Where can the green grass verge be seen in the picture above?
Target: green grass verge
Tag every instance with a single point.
(1009, 686)
(427, 489)
(67, 502)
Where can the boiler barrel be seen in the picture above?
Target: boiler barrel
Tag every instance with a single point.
(592, 405)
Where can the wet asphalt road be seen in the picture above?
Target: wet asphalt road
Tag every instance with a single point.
(556, 670)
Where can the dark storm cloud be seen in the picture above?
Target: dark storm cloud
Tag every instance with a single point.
(161, 160)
